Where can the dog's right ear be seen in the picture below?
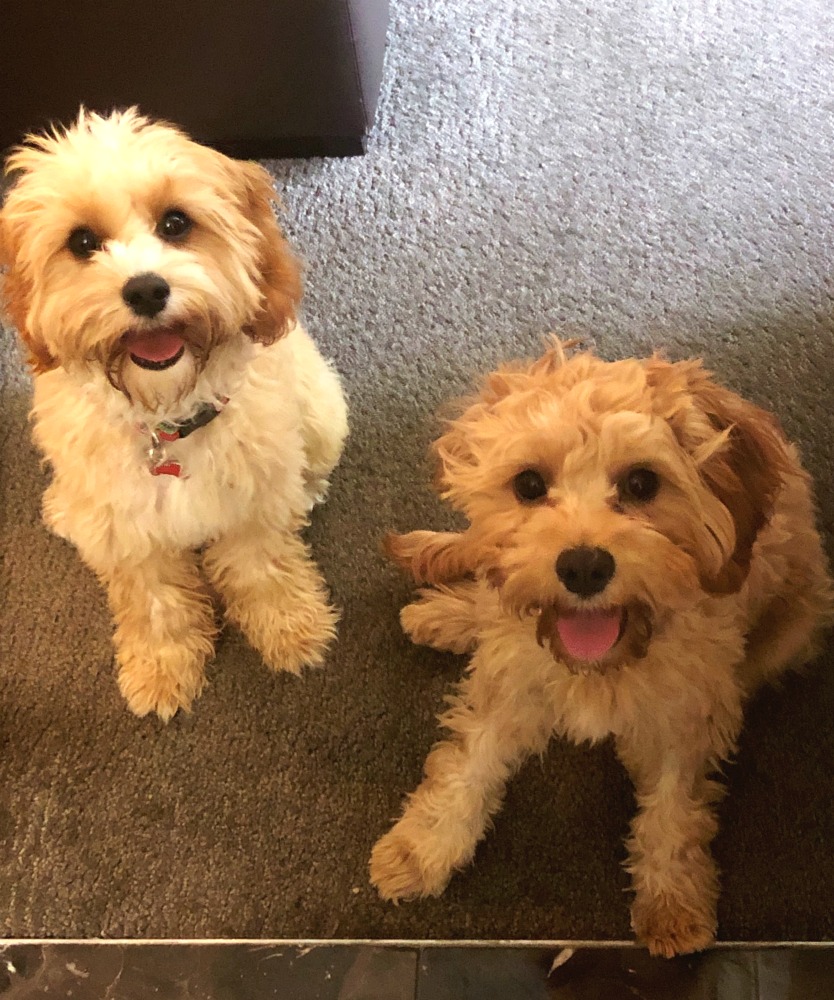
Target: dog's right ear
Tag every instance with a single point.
(16, 285)
(456, 451)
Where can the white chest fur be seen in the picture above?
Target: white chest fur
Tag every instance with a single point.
(247, 462)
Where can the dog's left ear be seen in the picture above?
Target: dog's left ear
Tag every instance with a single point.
(739, 448)
(280, 271)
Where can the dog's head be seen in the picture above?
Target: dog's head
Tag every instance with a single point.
(607, 497)
(129, 246)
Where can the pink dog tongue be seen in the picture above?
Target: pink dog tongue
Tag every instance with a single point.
(588, 635)
(158, 345)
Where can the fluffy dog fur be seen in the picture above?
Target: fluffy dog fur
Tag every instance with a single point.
(717, 582)
(90, 208)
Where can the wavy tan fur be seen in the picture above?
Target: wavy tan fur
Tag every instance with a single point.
(722, 577)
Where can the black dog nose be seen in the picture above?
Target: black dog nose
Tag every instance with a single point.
(146, 294)
(585, 571)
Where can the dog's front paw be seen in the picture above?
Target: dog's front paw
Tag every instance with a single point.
(163, 685)
(669, 927)
(291, 638)
(442, 621)
(405, 865)
(423, 626)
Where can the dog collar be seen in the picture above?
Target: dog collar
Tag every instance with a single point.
(168, 431)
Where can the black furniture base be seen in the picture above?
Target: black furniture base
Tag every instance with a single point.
(255, 78)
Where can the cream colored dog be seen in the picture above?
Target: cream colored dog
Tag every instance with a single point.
(190, 423)
(641, 556)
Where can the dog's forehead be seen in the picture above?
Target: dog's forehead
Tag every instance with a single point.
(589, 389)
(582, 425)
(116, 163)
(586, 407)
(575, 431)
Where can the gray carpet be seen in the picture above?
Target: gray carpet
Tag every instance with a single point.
(654, 175)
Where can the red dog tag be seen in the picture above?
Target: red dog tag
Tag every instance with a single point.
(169, 468)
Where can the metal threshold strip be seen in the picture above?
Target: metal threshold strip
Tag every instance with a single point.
(544, 944)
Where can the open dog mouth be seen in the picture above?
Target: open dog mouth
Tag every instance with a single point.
(155, 350)
(588, 635)
(596, 639)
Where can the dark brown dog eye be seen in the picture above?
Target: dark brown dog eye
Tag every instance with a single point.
(174, 225)
(83, 243)
(639, 485)
(529, 485)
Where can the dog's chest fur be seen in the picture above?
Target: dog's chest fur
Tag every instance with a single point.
(249, 458)
(677, 674)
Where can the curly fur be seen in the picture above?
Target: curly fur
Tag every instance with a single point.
(720, 584)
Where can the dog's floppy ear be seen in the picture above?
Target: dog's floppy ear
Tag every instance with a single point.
(739, 449)
(16, 289)
(280, 271)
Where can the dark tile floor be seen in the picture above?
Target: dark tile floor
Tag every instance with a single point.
(281, 971)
